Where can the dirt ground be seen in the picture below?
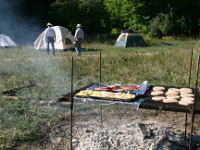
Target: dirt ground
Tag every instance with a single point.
(130, 129)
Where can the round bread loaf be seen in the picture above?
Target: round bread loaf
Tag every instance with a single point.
(171, 100)
(187, 95)
(186, 92)
(177, 97)
(158, 88)
(173, 89)
(157, 93)
(158, 98)
(172, 93)
(185, 89)
(187, 99)
(186, 103)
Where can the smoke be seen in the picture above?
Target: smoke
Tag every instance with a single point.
(15, 23)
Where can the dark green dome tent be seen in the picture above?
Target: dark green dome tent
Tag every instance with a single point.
(130, 38)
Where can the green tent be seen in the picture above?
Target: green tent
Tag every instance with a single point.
(130, 38)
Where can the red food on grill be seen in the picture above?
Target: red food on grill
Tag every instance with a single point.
(116, 86)
(109, 87)
(132, 87)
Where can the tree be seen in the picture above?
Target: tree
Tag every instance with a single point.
(116, 12)
(65, 13)
(183, 16)
(186, 15)
(36, 9)
(89, 13)
(160, 25)
(140, 12)
(164, 17)
(94, 16)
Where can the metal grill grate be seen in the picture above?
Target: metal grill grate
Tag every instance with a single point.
(151, 104)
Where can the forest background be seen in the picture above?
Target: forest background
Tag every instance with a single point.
(24, 20)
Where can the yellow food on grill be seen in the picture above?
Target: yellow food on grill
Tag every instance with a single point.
(130, 95)
(122, 95)
(96, 93)
(105, 94)
(83, 93)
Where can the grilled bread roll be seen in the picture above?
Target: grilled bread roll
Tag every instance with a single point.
(187, 95)
(157, 93)
(172, 93)
(187, 99)
(173, 89)
(171, 100)
(185, 89)
(177, 97)
(158, 88)
(186, 103)
(186, 92)
(158, 98)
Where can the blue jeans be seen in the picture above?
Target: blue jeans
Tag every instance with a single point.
(50, 40)
(78, 46)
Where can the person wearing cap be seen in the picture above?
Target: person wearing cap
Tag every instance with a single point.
(50, 36)
(78, 37)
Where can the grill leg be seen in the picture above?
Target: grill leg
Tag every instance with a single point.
(101, 118)
(185, 124)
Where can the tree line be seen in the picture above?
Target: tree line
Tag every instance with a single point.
(151, 17)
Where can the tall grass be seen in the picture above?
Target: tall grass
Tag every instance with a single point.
(19, 120)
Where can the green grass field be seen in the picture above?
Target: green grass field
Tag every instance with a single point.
(21, 121)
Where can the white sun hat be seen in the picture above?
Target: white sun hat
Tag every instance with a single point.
(49, 24)
(78, 25)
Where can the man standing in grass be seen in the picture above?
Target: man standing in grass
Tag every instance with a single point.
(50, 36)
(79, 35)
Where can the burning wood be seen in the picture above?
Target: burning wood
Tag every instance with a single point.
(12, 92)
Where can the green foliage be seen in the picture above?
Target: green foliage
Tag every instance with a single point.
(115, 8)
(94, 16)
(116, 31)
(89, 13)
(160, 25)
(138, 14)
(67, 13)
(178, 18)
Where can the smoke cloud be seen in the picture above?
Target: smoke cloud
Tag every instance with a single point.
(15, 23)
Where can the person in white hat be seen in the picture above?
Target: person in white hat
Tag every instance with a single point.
(78, 37)
(50, 36)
